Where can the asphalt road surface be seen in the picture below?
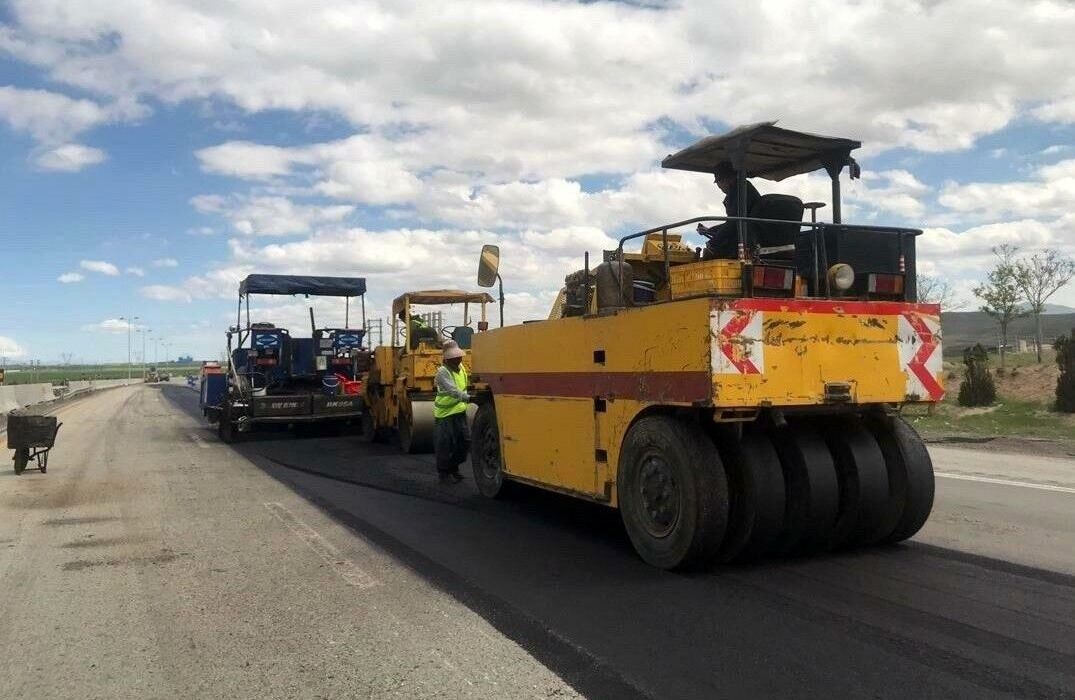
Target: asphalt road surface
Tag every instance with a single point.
(153, 561)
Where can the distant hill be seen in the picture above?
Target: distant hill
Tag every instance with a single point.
(1057, 309)
(965, 328)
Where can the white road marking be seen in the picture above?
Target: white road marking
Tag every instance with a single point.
(1006, 482)
(343, 566)
(199, 441)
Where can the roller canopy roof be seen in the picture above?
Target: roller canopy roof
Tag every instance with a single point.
(440, 296)
(767, 151)
(303, 284)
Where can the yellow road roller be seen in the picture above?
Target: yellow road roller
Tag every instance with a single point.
(733, 402)
(399, 385)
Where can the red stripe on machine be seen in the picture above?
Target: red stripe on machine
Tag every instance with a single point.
(679, 387)
(826, 306)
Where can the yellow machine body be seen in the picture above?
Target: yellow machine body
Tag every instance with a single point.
(399, 385)
(567, 390)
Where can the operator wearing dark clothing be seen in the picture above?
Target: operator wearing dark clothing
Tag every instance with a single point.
(724, 237)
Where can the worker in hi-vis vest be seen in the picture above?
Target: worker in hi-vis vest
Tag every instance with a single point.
(451, 434)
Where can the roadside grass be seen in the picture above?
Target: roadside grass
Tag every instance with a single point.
(56, 375)
(1008, 418)
(1024, 407)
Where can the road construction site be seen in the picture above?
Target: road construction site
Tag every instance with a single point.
(155, 561)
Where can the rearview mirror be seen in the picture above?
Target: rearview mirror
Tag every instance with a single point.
(488, 265)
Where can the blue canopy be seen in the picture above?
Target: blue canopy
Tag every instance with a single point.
(303, 284)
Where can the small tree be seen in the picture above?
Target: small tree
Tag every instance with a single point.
(934, 290)
(1065, 383)
(1000, 294)
(977, 387)
(1038, 278)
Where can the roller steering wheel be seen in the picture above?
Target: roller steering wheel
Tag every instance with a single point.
(447, 331)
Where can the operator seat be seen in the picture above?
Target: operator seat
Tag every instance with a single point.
(463, 336)
(783, 207)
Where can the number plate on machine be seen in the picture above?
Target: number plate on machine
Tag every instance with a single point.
(281, 406)
(337, 404)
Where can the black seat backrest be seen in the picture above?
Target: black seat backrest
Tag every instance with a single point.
(463, 336)
(783, 207)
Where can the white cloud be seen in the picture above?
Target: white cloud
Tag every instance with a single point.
(135, 271)
(69, 277)
(105, 268)
(54, 119)
(9, 348)
(51, 117)
(1050, 194)
(165, 262)
(1062, 110)
(111, 325)
(270, 215)
(69, 157)
(528, 89)
(162, 292)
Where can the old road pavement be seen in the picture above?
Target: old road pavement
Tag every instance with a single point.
(153, 561)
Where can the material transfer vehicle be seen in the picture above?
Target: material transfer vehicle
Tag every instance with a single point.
(729, 408)
(399, 387)
(272, 376)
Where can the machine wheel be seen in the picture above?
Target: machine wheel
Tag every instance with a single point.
(673, 493)
(811, 490)
(485, 458)
(22, 456)
(225, 428)
(757, 500)
(370, 432)
(910, 473)
(416, 428)
(863, 476)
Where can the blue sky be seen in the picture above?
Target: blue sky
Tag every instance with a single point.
(182, 147)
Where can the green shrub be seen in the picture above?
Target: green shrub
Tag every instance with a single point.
(1065, 384)
(977, 387)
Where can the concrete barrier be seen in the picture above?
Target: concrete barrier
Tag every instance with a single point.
(23, 395)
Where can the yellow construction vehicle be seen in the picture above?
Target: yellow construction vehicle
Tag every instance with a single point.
(399, 386)
(731, 407)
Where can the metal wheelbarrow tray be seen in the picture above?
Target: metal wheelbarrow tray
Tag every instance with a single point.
(31, 437)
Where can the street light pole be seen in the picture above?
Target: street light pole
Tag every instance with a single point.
(130, 320)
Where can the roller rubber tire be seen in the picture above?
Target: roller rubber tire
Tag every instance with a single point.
(811, 489)
(863, 477)
(756, 495)
(673, 493)
(910, 476)
(485, 455)
(22, 456)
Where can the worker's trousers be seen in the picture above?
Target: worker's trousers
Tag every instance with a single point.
(451, 440)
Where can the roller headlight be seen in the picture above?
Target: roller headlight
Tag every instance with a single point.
(842, 276)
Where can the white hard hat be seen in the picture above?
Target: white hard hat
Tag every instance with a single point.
(453, 351)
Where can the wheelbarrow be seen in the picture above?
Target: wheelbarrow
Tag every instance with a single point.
(31, 437)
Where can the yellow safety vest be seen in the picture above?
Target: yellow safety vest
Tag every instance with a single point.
(445, 405)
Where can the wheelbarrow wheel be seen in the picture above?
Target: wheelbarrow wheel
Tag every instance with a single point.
(22, 456)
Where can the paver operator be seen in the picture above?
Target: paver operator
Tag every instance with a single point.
(451, 435)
